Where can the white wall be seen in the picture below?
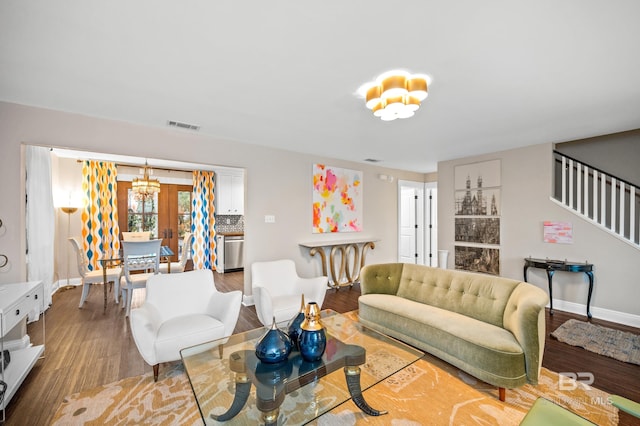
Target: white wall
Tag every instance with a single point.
(278, 182)
(526, 188)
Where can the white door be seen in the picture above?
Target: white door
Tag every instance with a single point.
(410, 228)
(431, 223)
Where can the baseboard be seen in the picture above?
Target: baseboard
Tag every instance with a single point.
(247, 300)
(63, 283)
(599, 313)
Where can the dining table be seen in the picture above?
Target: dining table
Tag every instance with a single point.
(106, 263)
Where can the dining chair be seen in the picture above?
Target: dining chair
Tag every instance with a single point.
(92, 277)
(277, 290)
(184, 256)
(136, 236)
(140, 259)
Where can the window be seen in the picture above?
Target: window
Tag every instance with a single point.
(142, 213)
(167, 214)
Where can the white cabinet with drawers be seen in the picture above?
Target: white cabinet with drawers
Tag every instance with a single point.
(16, 301)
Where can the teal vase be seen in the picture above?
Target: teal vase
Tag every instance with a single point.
(294, 329)
(274, 346)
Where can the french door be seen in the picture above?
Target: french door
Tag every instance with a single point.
(166, 214)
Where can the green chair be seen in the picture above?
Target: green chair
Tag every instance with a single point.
(626, 405)
(544, 413)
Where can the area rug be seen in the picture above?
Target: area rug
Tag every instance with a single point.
(427, 392)
(620, 345)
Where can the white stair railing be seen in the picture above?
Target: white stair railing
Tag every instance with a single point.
(605, 200)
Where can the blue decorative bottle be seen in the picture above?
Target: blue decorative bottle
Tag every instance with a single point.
(312, 340)
(294, 329)
(275, 345)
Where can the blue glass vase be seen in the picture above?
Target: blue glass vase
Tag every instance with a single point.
(274, 346)
(294, 329)
(312, 340)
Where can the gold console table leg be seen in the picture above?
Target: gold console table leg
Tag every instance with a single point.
(344, 262)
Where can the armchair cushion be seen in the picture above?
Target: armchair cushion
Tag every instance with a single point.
(181, 332)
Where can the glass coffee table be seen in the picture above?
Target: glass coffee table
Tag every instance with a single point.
(232, 386)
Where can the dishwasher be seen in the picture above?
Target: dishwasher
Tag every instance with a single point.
(233, 252)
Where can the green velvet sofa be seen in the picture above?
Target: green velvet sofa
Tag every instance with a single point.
(491, 327)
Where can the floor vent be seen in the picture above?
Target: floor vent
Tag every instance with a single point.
(181, 125)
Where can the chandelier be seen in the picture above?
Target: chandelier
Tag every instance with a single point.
(145, 186)
(395, 94)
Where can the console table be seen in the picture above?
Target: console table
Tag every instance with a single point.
(351, 254)
(551, 266)
(16, 301)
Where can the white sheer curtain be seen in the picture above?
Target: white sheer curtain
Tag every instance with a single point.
(40, 219)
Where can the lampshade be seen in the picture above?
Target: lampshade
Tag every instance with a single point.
(145, 186)
(396, 94)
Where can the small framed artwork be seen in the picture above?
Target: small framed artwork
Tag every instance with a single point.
(558, 232)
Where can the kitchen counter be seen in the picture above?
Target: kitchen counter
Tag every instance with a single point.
(232, 234)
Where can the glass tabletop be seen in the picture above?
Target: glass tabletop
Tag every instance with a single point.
(309, 389)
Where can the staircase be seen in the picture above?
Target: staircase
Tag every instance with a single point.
(604, 200)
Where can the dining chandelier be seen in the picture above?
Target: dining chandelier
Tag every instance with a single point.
(395, 94)
(145, 186)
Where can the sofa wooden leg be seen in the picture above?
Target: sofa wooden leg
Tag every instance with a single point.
(502, 394)
(220, 350)
(156, 368)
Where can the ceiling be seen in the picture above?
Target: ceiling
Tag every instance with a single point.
(285, 74)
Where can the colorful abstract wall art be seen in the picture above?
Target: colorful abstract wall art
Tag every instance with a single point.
(337, 199)
(558, 232)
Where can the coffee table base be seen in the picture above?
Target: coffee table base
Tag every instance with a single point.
(270, 406)
(352, 374)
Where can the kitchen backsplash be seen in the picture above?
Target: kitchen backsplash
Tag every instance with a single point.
(229, 223)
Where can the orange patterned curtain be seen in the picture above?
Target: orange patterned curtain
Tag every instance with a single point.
(100, 228)
(203, 220)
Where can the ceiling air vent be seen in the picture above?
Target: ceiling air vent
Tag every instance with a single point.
(181, 125)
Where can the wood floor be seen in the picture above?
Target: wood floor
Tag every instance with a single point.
(86, 348)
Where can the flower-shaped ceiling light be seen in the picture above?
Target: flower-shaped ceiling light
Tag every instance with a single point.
(395, 94)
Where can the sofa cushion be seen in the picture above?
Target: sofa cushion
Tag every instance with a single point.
(184, 331)
(478, 296)
(486, 351)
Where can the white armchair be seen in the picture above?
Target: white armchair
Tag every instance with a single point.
(182, 310)
(277, 290)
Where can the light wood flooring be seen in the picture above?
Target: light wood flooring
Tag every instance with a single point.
(86, 348)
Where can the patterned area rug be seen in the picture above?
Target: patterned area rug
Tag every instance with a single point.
(621, 345)
(429, 391)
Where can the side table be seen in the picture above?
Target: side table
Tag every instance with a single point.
(551, 266)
